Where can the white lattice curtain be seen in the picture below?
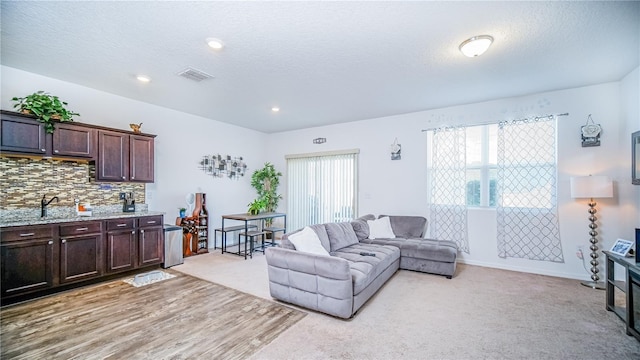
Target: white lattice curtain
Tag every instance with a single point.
(448, 205)
(527, 213)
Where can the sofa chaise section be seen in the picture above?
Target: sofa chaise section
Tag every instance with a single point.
(416, 253)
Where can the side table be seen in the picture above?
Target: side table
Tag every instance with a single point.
(630, 286)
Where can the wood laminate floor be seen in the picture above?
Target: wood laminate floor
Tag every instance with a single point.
(179, 318)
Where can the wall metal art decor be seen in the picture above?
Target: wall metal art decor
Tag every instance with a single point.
(591, 133)
(223, 166)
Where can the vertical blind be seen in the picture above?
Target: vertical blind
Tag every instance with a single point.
(321, 187)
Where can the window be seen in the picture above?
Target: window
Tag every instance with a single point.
(321, 187)
(481, 159)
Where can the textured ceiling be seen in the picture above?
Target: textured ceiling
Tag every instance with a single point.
(320, 62)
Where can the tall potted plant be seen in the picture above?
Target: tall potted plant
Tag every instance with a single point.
(46, 107)
(266, 181)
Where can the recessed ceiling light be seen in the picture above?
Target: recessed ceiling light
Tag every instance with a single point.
(275, 109)
(215, 43)
(476, 45)
(143, 78)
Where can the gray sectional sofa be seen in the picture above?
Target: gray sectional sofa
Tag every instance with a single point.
(349, 265)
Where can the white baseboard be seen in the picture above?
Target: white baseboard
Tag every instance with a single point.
(527, 270)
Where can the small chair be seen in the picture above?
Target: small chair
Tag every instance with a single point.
(273, 230)
(250, 235)
(223, 234)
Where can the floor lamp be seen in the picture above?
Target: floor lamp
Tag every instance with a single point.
(592, 187)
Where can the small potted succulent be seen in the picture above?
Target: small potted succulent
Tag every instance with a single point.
(46, 107)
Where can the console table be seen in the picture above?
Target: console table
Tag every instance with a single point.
(246, 218)
(630, 286)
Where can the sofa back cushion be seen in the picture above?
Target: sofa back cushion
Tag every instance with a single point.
(407, 227)
(341, 235)
(360, 226)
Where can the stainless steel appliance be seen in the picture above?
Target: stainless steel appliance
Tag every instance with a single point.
(172, 246)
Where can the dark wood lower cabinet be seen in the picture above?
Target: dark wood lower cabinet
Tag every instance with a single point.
(80, 257)
(121, 247)
(150, 246)
(39, 258)
(27, 265)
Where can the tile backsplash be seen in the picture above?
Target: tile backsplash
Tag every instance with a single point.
(23, 181)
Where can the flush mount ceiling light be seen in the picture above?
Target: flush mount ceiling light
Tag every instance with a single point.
(215, 44)
(143, 78)
(275, 109)
(476, 45)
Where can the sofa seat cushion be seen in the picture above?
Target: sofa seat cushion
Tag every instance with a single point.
(427, 249)
(365, 269)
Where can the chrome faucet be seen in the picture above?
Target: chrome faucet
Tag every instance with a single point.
(44, 203)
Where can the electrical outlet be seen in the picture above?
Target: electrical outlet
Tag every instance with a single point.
(122, 196)
(580, 252)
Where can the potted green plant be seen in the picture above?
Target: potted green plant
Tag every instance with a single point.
(256, 206)
(266, 181)
(46, 107)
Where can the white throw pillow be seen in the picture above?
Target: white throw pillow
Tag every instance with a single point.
(306, 240)
(380, 228)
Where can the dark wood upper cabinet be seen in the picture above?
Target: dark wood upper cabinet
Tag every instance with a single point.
(22, 134)
(119, 155)
(113, 156)
(124, 157)
(141, 158)
(75, 141)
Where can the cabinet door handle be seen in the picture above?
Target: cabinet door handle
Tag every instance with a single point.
(141, 231)
(133, 233)
(43, 150)
(151, 222)
(121, 225)
(133, 177)
(64, 241)
(82, 229)
(123, 178)
(56, 151)
(50, 242)
(27, 234)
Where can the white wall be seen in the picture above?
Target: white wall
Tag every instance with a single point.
(399, 187)
(182, 139)
(392, 187)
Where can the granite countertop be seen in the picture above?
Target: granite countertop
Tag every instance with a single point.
(32, 217)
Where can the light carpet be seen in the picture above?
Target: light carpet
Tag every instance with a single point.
(482, 313)
(179, 318)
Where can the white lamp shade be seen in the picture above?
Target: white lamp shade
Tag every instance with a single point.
(591, 187)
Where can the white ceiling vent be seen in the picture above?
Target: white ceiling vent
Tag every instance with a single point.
(195, 75)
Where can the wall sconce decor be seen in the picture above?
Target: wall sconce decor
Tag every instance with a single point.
(395, 149)
(319, 140)
(591, 133)
(223, 166)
